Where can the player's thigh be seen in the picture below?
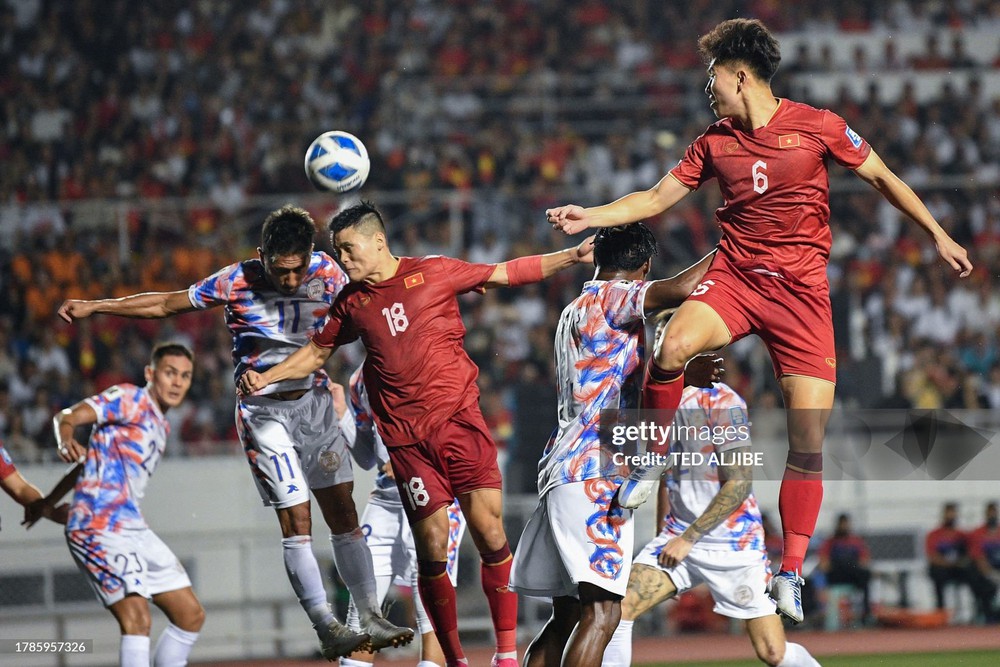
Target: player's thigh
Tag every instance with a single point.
(320, 443)
(696, 327)
(182, 608)
(808, 402)
(265, 427)
(337, 504)
(647, 587)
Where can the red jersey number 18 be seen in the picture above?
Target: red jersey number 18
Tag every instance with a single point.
(396, 318)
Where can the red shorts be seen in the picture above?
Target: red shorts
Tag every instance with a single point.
(794, 321)
(459, 457)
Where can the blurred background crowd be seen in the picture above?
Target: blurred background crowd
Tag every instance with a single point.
(143, 143)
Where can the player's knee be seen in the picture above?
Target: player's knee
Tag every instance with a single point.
(770, 653)
(134, 619)
(193, 618)
(491, 537)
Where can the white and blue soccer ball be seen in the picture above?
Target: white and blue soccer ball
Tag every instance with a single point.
(337, 161)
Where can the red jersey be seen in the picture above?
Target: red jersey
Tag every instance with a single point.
(6, 464)
(777, 192)
(984, 542)
(417, 372)
(949, 543)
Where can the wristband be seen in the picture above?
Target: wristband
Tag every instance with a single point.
(524, 270)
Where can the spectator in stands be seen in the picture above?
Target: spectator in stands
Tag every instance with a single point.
(984, 569)
(947, 553)
(844, 559)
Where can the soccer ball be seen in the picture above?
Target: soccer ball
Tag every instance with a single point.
(337, 161)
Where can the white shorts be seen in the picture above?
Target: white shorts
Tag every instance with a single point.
(120, 564)
(737, 580)
(394, 556)
(571, 538)
(293, 446)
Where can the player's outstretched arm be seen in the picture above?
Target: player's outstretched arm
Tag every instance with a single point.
(21, 490)
(875, 172)
(671, 292)
(535, 268)
(46, 508)
(148, 305)
(303, 363)
(736, 484)
(633, 207)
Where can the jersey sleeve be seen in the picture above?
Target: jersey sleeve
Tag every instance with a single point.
(465, 276)
(7, 467)
(842, 143)
(215, 289)
(622, 302)
(338, 330)
(116, 405)
(695, 167)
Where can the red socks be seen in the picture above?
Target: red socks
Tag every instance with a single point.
(799, 500)
(662, 391)
(495, 572)
(438, 596)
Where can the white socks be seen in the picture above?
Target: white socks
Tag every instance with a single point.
(134, 651)
(619, 650)
(354, 564)
(307, 582)
(173, 647)
(796, 655)
(427, 663)
(348, 662)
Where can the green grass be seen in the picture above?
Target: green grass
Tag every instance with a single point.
(962, 658)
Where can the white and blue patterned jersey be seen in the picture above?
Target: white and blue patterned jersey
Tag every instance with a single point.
(691, 488)
(268, 326)
(599, 348)
(125, 445)
(368, 450)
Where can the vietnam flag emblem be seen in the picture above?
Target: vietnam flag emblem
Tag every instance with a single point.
(788, 140)
(413, 280)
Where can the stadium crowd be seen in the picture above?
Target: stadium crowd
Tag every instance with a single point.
(115, 110)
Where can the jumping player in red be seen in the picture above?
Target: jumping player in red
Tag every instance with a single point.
(770, 157)
(423, 395)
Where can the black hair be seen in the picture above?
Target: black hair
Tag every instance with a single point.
(745, 41)
(170, 349)
(624, 248)
(288, 231)
(364, 215)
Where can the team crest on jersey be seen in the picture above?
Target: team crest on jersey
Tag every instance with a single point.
(737, 416)
(314, 290)
(329, 461)
(413, 280)
(854, 137)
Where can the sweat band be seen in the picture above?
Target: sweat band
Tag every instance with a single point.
(524, 270)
